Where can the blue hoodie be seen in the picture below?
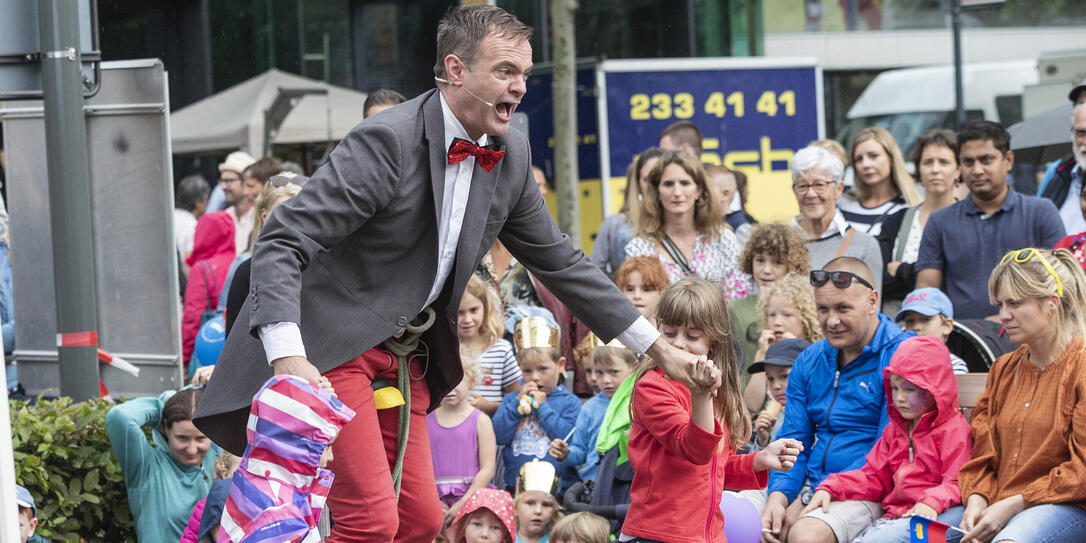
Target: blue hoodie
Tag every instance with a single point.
(838, 415)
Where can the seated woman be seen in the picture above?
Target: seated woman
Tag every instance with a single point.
(818, 181)
(164, 480)
(1027, 478)
(681, 223)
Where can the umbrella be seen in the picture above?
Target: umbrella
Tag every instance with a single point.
(1042, 137)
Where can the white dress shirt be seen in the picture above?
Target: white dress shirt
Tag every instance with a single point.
(283, 339)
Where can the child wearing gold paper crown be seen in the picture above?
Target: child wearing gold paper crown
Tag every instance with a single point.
(543, 410)
(535, 506)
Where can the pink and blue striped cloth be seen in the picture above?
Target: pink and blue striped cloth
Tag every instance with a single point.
(279, 489)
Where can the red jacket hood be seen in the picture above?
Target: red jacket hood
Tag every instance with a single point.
(214, 236)
(924, 362)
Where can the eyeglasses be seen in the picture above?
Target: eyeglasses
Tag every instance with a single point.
(1022, 256)
(1078, 132)
(820, 187)
(229, 179)
(280, 181)
(840, 279)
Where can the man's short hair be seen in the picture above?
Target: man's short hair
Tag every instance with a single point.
(264, 168)
(463, 28)
(851, 265)
(682, 132)
(985, 130)
(381, 97)
(192, 190)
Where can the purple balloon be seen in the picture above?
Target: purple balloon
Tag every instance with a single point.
(742, 523)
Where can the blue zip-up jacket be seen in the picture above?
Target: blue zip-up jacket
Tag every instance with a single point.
(837, 415)
(582, 446)
(552, 420)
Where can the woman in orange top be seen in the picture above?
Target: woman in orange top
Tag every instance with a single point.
(1027, 478)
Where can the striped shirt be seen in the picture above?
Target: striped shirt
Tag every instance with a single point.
(868, 219)
(497, 369)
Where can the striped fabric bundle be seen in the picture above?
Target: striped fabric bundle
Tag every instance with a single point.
(279, 489)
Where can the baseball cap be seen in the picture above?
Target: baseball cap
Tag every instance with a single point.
(1075, 92)
(781, 353)
(928, 301)
(24, 499)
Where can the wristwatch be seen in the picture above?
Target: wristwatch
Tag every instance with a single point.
(805, 497)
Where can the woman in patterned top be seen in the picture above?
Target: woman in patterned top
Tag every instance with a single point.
(682, 224)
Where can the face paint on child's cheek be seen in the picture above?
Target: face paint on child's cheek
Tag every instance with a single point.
(919, 402)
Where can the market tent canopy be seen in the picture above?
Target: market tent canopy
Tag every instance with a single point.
(234, 118)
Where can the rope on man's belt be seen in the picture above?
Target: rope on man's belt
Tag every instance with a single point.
(401, 347)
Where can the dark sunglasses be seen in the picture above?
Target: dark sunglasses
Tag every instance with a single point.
(840, 279)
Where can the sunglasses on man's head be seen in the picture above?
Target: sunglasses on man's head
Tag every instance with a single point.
(840, 279)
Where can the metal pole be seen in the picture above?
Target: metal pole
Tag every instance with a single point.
(959, 93)
(67, 165)
(563, 13)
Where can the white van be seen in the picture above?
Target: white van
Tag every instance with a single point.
(911, 101)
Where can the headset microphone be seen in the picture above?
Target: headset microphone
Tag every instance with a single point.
(446, 81)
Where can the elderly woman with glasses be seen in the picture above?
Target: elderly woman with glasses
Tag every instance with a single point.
(817, 182)
(1027, 478)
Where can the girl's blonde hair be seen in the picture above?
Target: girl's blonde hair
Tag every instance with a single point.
(1031, 280)
(271, 194)
(583, 527)
(225, 465)
(798, 291)
(493, 326)
(471, 371)
(904, 182)
(697, 303)
(708, 217)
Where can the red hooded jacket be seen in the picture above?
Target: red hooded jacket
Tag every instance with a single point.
(679, 469)
(212, 253)
(904, 469)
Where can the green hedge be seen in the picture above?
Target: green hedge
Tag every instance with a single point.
(63, 456)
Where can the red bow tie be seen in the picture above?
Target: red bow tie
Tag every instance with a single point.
(487, 157)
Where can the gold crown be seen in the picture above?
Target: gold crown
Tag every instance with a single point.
(536, 475)
(591, 341)
(534, 332)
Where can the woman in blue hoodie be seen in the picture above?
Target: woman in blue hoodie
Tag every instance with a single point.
(165, 480)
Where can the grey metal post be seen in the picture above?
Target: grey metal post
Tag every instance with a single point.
(564, 83)
(959, 93)
(69, 198)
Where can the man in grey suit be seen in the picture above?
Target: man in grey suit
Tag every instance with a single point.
(394, 224)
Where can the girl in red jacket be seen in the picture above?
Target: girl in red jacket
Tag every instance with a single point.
(913, 467)
(683, 438)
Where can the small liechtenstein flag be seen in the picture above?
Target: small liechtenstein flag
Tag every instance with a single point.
(925, 530)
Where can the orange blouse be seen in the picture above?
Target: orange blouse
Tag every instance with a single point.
(1029, 431)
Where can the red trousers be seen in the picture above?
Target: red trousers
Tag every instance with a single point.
(362, 500)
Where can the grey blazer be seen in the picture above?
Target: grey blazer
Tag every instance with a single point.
(352, 258)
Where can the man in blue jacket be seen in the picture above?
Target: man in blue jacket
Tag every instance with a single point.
(836, 404)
